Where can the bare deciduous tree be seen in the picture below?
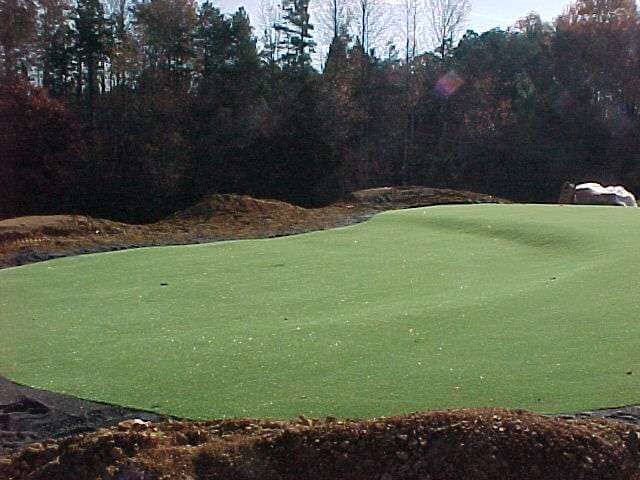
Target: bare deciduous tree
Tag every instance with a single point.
(411, 11)
(372, 22)
(331, 19)
(270, 17)
(446, 19)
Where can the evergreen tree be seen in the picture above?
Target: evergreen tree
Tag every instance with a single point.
(166, 29)
(123, 51)
(91, 30)
(243, 47)
(212, 40)
(55, 39)
(17, 28)
(337, 57)
(297, 29)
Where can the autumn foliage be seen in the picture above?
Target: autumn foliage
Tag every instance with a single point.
(42, 151)
(149, 106)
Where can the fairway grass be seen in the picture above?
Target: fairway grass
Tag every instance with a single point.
(517, 306)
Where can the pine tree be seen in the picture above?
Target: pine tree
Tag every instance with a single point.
(55, 39)
(17, 28)
(297, 29)
(91, 32)
(244, 44)
(166, 28)
(212, 40)
(122, 48)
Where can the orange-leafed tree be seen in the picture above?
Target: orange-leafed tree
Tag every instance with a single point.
(41, 160)
(17, 30)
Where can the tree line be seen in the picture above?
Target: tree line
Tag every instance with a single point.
(131, 110)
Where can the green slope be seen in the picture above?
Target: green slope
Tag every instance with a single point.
(519, 306)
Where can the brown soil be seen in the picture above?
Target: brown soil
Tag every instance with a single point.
(451, 445)
(217, 217)
(461, 444)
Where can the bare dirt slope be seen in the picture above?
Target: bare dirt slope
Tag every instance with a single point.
(471, 444)
(217, 217)
(453, 445)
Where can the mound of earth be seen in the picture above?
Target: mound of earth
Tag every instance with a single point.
(408, 197)
(24, 231)
(450, 445)
(213, 206)
(55, 226)
(216, 217)
(35, 238)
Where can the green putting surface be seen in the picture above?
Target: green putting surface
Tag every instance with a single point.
(517, 306)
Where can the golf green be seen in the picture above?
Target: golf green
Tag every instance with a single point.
(519, 306)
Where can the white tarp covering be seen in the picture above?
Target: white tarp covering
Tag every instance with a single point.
(595, 194)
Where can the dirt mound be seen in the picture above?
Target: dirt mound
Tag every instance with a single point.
(462, 444)
(217, 217)
(35, 238)
(213, 206)
(230, 207)
(40, 228)
(404, 197)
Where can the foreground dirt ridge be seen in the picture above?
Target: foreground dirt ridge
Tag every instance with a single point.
(457, 444)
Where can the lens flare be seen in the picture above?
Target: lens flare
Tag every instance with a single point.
(448, 84)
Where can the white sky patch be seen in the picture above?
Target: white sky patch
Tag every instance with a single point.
(485, 15)
(483, 12)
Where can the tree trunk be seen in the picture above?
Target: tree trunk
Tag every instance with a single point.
(335, 19)
(79, 84)
(91, 87)
(9, 64)
(364, 29)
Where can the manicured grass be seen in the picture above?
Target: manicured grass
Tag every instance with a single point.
(518, 306)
